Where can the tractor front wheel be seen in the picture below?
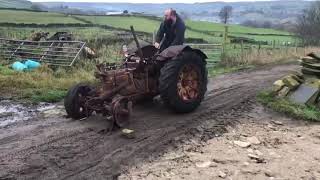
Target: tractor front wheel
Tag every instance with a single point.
(75, 100)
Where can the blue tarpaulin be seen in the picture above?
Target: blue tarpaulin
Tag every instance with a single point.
(29, 64)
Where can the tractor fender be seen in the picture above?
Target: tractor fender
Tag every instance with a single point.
(173, 51)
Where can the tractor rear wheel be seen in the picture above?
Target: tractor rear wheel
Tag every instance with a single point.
(75, 100)
(183, 82)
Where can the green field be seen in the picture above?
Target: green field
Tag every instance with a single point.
(100, 37)
(208, 26)
(140, 23)
(196, 29)
(150, 25)
(211, 32)
(28, 17)
(51, 85)
(80, 33)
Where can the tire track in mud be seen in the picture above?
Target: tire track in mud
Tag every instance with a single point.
(63, 137)
(66, 142)
(241, 99)
(85, 153)
(179, 130)
(198, 117)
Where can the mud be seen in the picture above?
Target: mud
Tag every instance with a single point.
(53, 147)
(12, 112)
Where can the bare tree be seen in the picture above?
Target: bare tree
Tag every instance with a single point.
(225, 14)
(308, 24)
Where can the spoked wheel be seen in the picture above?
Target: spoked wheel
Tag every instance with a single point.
(75, 101)
(121, 111)
(189, 83)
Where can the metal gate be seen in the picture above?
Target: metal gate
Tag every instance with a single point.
(61, 53)
(213, 51)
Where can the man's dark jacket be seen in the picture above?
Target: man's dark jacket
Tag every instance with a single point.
(174, 33)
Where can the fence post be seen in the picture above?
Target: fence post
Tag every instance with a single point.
(274, 44)
(226, 33)
(154, 37)
(225, 38)
(242, 51)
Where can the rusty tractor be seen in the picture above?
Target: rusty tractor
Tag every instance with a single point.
(178, 74)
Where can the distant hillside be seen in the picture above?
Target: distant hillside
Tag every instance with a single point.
(273, 11)
(18, 4)
(206, 31)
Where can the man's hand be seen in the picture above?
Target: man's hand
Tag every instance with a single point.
(157, 45)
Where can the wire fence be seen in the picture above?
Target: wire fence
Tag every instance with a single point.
(241, 47)
(216, 52)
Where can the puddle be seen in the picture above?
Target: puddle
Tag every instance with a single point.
(12, 112)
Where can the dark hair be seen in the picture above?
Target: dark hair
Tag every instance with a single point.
(173, 12)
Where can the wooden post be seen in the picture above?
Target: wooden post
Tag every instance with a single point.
(274, 44)
(225, 38)
(242, 51)
(226, 34)
(304, 47)
(154, 37)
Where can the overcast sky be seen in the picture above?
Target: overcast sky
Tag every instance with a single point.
(146, 1)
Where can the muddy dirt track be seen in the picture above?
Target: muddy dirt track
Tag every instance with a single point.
(60, 148)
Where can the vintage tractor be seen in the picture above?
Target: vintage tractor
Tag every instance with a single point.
(178, 74)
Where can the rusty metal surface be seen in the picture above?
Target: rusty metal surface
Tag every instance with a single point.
(119, 88)
(188, 83)
(172, 52)
(136, 78)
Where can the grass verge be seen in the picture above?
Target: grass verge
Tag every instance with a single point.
(43, 84)
(285, 106)
(46, 85)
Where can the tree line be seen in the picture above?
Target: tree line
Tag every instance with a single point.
(307, 26)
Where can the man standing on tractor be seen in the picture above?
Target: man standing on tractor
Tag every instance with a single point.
(171, 31)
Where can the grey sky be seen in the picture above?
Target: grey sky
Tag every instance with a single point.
(148, 1)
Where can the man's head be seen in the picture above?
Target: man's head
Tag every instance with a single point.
(170, 16)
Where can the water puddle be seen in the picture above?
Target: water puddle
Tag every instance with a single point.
(13, 112)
